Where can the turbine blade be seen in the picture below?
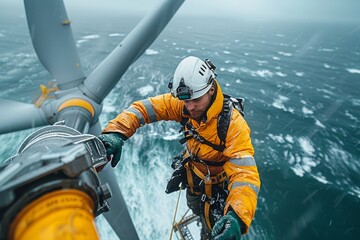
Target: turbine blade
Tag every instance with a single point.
(17, 116)
(118, 216)
(53, 41)
(105, 76)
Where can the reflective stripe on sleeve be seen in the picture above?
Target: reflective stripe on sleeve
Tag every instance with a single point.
(138, 115)
(244, 161)
(240, 184)
(150, 110)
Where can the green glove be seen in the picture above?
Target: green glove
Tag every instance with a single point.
(113, 143)
(228, 227)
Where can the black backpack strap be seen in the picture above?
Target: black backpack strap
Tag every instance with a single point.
(224, 119)
(223, 124)
(238, 103)
(190, 132)
(225, 115)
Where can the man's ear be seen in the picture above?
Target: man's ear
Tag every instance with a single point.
(212, 90)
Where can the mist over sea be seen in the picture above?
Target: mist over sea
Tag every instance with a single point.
(301, 83)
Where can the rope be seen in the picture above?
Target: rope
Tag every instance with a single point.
(176, 208)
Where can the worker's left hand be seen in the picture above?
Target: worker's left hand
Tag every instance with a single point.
(227, 227)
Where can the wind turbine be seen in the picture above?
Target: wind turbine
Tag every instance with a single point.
(77, 103)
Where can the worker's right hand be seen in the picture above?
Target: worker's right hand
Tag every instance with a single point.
(113, 143)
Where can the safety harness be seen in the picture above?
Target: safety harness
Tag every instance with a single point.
(204, 188)
(222, 125)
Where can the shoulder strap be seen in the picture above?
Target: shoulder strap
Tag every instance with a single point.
(225, 115)
(190, 132)
(223, 124)
(224, 120)
(238, 103)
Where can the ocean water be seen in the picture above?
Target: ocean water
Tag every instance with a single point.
(301, 83)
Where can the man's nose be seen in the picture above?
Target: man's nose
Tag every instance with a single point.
(190, 105)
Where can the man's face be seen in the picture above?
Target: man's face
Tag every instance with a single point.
(198, 107)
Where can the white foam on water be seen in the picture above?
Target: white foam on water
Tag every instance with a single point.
(277, 138)
(353, 70)
(233, 69)
(306, 145)
(355, 102)
(319, 177)
(299, 74)
(146, 90)
(93, 36)
(326, 50)
(306, 110)
(279, 104)
(281, 74)
(276, 58)
(327, 66)
(319, 124)
(81, 41)
(325, 91)
(116, 35)
(150, 51)
(174, 136)
(301, 165)
(289, 138)
(352, 117)
(261, 62)
(263, 73)
(286, 54)
(108, 108)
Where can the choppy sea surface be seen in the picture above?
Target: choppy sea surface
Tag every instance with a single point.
(301, 83)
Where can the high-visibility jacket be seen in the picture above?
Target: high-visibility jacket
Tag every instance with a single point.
(240, 166)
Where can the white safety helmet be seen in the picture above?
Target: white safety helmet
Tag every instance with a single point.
(193, 78)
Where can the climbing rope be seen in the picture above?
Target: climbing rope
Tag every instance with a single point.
(176, 208)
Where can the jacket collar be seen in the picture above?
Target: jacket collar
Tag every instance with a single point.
(217, 105)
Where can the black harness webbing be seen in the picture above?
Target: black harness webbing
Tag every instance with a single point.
(223, 124)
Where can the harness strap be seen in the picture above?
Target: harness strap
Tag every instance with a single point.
(213, 180)
(192, 133)
(208, 192)
(209, 181)
(189, 177)
(185, 139)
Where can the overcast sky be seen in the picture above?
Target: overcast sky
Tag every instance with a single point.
(324, 10)
(270, 9)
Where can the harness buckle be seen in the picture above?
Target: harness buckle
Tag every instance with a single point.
(201, 183)
(203, 198)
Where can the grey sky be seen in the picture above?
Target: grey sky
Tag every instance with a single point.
(324, 10)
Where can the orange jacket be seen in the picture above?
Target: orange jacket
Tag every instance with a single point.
(240, 166)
